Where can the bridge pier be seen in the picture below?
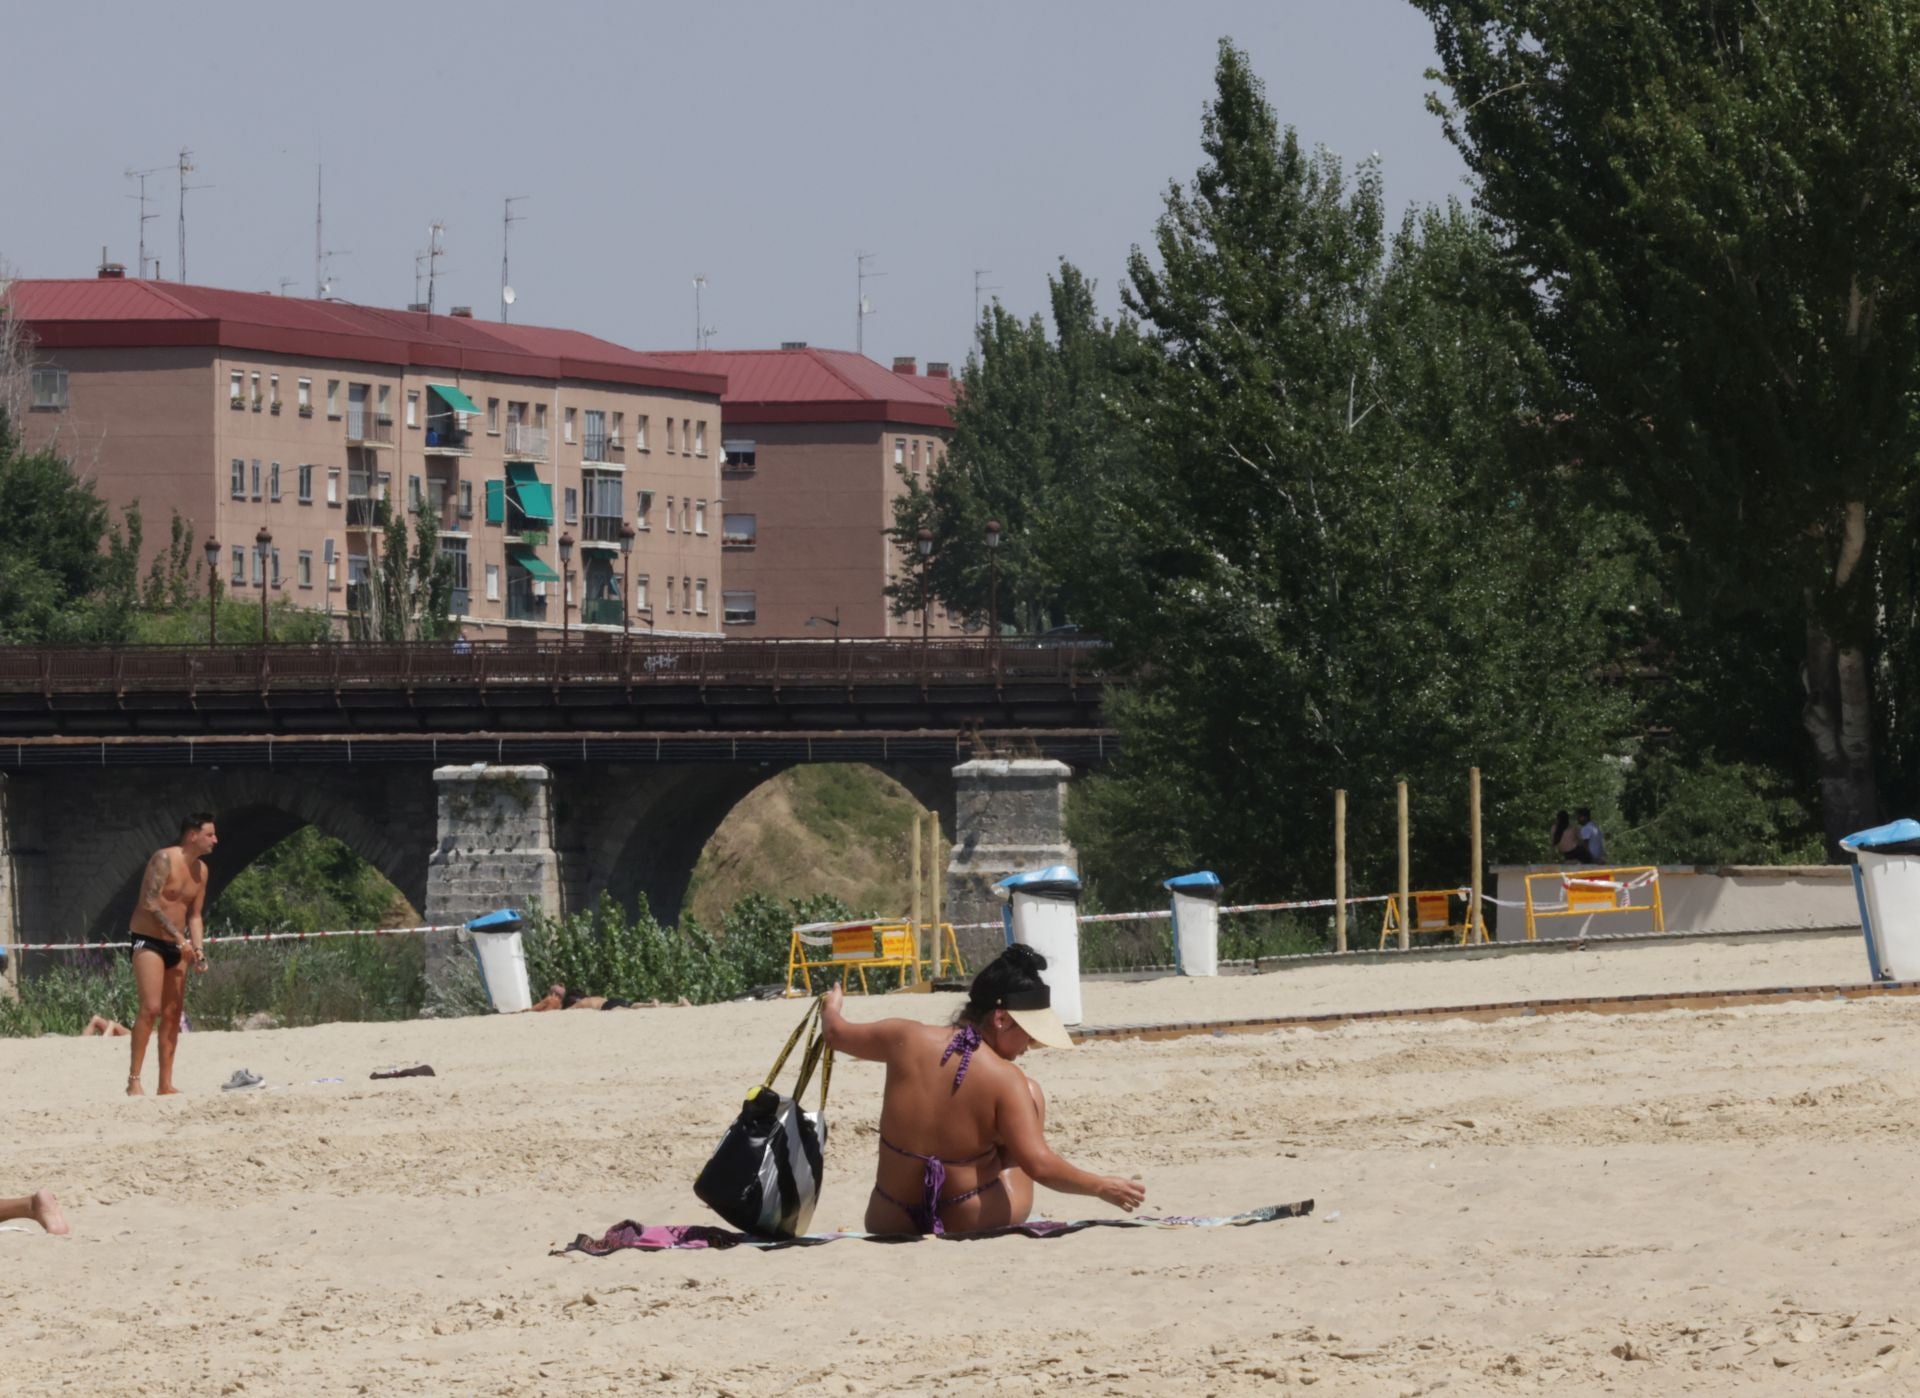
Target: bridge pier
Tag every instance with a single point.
(1010, 815)
(495, 850)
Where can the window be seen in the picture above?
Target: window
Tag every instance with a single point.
(699, 595)
(596, 435)
(640, 602)
(540, 415)
(899, 451)
(256, 390)
(670, 528)
(738, 608)
(493, 582)
(333, 398)
(643, 509)
(466, 499)
(303, 568)
(273, 481)
(306, 485)
(738, 455)
(276, 567)
(333, 566)
(670, 445)
(566, 426)
(256, 478)
(304, 390)
(333, 485)
(640, 431)
(236, 388)
(416, 495)
(356, 569)
(914, 457)
(239, 488)
(670, 595)
(239, 566)
(601, 495)
(455, 552)
(700, 438)
(49, 388)
(700, 516)
(273, 391)
(493, 414)
(413, 405)
(619, 429)
(259, 568)
(571, 505)
(737, 531)
(686, 516)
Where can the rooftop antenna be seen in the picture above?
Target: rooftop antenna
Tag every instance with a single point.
(186, 167)
(507, 219)
(865, 308)
(978, 287)
(286, 282)
(419, 274)
(145, 217)
(322, 254)
(700, 331)
(434, 252)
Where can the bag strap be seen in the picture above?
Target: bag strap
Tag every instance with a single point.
(817, 1055)
(813, 1013)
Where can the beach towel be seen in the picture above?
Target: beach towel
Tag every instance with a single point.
(667, 1237)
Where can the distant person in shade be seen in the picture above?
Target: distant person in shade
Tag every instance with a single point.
(1593, 844)
(1565, 839)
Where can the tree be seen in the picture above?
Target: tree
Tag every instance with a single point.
(410, 586)
(1346, 555)
(67, 572)
(1716, 203)
(1035, 436)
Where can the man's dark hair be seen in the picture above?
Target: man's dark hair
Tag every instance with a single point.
(1584, 814)
(191, 823)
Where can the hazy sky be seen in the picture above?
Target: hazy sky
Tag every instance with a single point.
(759, 144)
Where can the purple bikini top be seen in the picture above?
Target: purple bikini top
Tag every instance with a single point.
(964, 1041)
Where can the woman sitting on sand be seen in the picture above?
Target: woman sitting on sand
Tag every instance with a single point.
(962, 1130)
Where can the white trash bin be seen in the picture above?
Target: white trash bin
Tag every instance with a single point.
(503, 960)
(1043, 912)
(1196, 923)
(1886, 878)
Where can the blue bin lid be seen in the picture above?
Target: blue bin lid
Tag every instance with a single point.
(504, 920)
(1055, 878)
(1900, 832)
(1203, 883)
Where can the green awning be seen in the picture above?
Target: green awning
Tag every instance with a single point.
(523, 473)
(535, 500)
(454, 398)
(523, 556)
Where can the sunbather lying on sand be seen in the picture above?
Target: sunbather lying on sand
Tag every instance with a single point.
(558, 997)
(41, 1207)
(100, 1027)
(961, 1143)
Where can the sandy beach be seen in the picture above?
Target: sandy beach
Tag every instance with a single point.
(1693, 1202)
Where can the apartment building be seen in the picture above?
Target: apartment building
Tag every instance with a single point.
(574, 483)
(815, 441)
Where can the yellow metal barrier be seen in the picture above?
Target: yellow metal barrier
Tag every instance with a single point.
(1596, 893)
(1433, 913)
(872, 945)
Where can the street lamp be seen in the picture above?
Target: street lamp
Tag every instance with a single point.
(262, 542)
(924, 543)
(833, 621)
(213, 591)
(626, 582)
(566, 584)
(993, 591)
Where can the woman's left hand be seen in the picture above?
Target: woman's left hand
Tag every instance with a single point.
(830, 1002)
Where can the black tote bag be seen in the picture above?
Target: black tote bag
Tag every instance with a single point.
(765, 1176)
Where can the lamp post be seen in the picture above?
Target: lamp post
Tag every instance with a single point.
(993, 594)
(924, 542)
(833, 621)
(261, 543)
(213, 591)
(566, 589)
(626, 583)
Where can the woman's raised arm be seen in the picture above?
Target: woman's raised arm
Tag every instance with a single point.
(874, 1039)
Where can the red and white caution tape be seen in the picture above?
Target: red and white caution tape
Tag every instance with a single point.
(121, 944)
(1162, 914)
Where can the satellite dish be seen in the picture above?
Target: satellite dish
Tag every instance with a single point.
(508, 295)
(326, 290)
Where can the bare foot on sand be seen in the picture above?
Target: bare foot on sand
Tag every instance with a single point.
(168, 1091)
(46, 1212)
(134, 1089)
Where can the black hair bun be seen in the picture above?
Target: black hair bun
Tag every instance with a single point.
(1022, 957)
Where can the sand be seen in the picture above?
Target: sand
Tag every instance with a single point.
(1682, 1202)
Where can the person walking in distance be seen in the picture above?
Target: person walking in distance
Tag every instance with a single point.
(166, 934)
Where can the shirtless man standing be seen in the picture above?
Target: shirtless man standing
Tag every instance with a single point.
(166, 932)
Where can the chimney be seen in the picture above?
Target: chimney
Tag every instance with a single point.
(420, 306)
(906, 364)
(793, 344)
(462, 312)
(939, 369)
(112, 271)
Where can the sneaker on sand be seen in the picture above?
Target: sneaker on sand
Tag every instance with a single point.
(241, 1078)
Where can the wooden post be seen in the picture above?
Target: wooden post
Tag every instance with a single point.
(936, 876)
(1340, 871)
(1406, 933)
(1473, 817)
(913, 878)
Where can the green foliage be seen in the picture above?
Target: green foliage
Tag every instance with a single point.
(1712, 812)
(754, 934)
(1346, 556)
(409, 591)
(61, 998)
(67, 572)
(609, 952)
(309, 882)
(1716, 202)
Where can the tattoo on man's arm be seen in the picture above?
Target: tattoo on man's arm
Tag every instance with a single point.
(153, 886)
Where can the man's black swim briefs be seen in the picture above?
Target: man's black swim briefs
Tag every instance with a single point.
(169, 951)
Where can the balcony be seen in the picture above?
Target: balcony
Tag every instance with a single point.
(600, 611)
(365, 429)
(600, 529)
(363, 512)
(461, 601)
(443, 504)
(526, 443)
(522, 605)
(445, 437)
(603, 448)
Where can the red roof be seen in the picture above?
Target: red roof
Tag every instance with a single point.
(818, 385)
(116, 313)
